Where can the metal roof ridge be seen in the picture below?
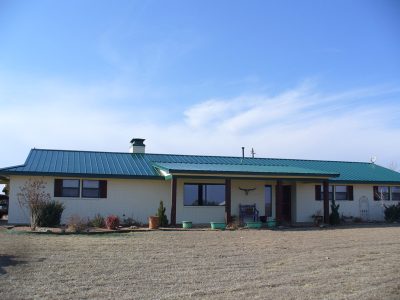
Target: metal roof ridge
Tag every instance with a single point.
(222, 163)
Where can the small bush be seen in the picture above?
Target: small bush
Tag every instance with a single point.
(76, 224)
(162, 217)
(392, 213)
(97, 221)
(49, 214)
(334, 217)
(112, 222)
(130, 222)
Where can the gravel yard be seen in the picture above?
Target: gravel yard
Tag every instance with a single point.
(345, 263)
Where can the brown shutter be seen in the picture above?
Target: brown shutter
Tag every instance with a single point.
(350, 193)
(376, 193)
(318, 192)
(103, 188)
(58, 184)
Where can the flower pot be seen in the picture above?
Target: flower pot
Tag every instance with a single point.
(186, 224)
(218, 225)
(253, 225)
(153, 222)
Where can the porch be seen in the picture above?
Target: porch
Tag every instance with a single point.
(274, 198)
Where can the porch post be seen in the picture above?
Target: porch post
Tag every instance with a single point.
(278, 200)
(173, 202)
(228, 217)
(326, 201)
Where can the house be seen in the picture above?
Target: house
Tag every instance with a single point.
(201, 188)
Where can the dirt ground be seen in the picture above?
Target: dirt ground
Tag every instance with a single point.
(344, 263)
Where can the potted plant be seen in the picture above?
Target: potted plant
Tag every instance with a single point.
(318, 218)
(153, 222)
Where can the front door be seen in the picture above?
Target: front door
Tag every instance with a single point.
(287, 204)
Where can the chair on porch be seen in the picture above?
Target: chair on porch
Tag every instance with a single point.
(247, 211)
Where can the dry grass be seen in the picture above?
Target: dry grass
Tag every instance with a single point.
(356, 263)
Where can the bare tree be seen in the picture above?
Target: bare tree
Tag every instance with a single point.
(33, 196)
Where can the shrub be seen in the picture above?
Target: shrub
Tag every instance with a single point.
(97, 221)
(334, 217)
(49, 214)
(112, 222)
(33, 196)
(162, 217)
(76, 223)
(130, 222)
(392, 213)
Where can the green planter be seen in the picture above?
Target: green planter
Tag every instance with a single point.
(217, 225)
(271, 224)
(186, 224)
(253, 225)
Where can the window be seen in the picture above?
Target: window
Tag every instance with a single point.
(94, 189)
(319, 192)
(395, 193)
(381, 193)
(66, 188)
(338, 192)
(204, 194)
(268, 201)
(344, 192)
(71, 188)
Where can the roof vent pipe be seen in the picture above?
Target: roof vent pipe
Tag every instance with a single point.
(137, 146)
(242, 152)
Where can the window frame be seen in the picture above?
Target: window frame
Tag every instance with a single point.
(202, 195)
(391, 193)
(332, 192)
(376, 192)
(61, 190)
(268, 213)
(98, 189)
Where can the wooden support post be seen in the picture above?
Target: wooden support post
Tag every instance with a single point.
(278, 200)
(228, 217)
(326, 201)
(173, 201)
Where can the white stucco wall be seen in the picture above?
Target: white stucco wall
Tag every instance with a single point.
(133, 198)
(254, 197)
(140, 198)
(307, 205)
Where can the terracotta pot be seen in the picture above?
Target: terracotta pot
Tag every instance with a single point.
(153, 222)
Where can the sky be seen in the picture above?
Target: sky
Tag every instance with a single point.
(291, 79)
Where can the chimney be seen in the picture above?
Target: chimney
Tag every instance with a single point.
(137, 146)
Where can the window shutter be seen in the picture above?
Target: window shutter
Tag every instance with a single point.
(58, 184)
(103, 188)
(318, 192)
(350, 193)
(376, 193)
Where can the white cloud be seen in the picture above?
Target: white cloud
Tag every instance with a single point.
(299, 123)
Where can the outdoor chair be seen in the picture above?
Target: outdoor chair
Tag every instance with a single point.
(248, 212)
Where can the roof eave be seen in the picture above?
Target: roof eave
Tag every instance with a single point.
(82, 175)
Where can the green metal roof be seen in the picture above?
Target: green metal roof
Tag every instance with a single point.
(128, 165)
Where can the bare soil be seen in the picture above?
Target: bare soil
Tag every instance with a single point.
(343, 263)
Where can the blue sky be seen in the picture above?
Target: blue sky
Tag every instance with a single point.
(295, 79)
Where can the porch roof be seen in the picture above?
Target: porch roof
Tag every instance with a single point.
(241, 169)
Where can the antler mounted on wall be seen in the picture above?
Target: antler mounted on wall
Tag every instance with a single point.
(246, 190)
